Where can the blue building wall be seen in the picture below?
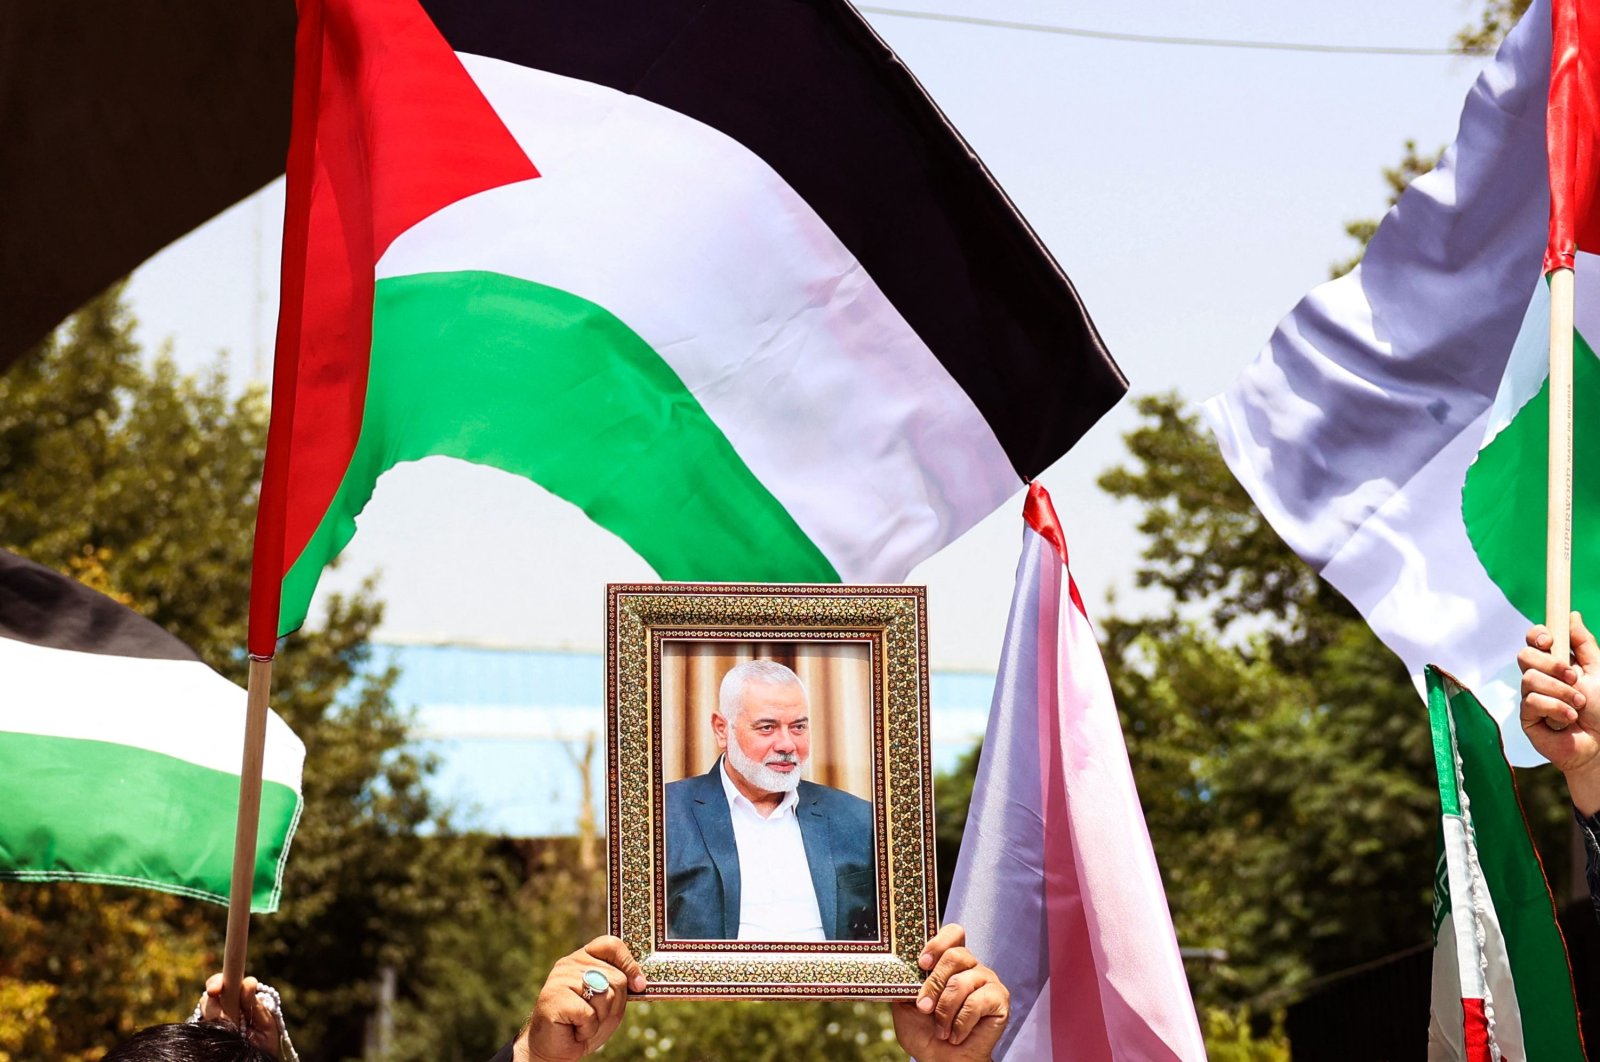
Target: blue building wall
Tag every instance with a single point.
(506, 724)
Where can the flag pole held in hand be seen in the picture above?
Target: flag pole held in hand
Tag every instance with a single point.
(244, 839)
(1570, 136)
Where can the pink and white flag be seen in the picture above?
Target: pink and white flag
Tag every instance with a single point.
(1057, 884)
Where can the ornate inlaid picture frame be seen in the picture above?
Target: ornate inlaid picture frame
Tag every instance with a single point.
(770, 794)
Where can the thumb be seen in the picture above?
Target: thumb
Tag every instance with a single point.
(611, 950)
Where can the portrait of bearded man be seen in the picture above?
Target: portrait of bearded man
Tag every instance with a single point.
(753, 850)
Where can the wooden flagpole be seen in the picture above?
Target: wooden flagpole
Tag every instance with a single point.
(1558, 540)
(257, 699)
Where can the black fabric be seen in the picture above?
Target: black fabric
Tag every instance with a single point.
(505, 1054)
(807, 86)
(43, 607)
(1589, 826)
(125, 125)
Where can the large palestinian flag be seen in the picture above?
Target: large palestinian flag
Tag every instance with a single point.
(120, 750)
(719, 273)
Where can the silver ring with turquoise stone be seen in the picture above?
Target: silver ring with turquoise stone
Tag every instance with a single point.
(595, 983)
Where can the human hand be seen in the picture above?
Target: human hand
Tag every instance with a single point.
(962, 1008)
(260, 1022)
(564, 1025)
(1561, 709)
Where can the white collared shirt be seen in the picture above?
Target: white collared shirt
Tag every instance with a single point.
(776, 898)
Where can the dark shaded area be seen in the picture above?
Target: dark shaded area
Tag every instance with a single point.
(1382, 1013)
(42, 607)
(1579, 926)
(125, 125)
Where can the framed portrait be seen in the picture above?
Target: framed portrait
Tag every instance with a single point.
(770, 797)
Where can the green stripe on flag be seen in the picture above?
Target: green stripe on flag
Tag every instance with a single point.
(1503, 499)
(80, 810)
(1444, 757)
(543, 384)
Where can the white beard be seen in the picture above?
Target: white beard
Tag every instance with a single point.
(759, 774)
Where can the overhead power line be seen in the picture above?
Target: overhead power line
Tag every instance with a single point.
(1144, 38)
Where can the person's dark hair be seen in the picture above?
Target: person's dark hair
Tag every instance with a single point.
(207, 1041)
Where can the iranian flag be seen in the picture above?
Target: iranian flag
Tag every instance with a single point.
(120, 750)
(1395, 429)
(1502, 988)
(719, 273)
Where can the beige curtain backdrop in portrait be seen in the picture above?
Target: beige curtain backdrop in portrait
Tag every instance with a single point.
(838, 678)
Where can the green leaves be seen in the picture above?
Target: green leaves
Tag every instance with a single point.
(151, 472)
(142, 481)
(1281, 753)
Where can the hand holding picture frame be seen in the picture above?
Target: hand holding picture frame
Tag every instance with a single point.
(770, 793)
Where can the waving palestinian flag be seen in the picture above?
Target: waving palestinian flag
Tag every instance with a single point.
(719, 273)
(119, 750)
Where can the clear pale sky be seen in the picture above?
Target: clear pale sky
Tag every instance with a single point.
(1193, 194)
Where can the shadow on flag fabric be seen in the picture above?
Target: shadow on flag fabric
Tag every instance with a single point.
(1502, 987)
(1057, 884)
(120, 750)
(718, 273)
(1395, 429)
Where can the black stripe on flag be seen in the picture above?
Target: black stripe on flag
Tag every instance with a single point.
(807, 86)
(43, 607)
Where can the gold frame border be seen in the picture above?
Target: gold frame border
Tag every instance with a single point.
(639, 616)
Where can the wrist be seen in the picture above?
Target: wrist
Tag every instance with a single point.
(522, 1050)
(1583, 784)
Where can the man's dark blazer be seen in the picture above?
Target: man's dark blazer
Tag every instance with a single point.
(703, 860)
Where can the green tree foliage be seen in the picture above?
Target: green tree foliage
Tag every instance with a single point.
(143, 481)
(153, 472)
(1281, 751)
(83, 966)
(758, 1032)
(952, 792)
(1282, 754)
(1230, 1038)
(487, 963)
